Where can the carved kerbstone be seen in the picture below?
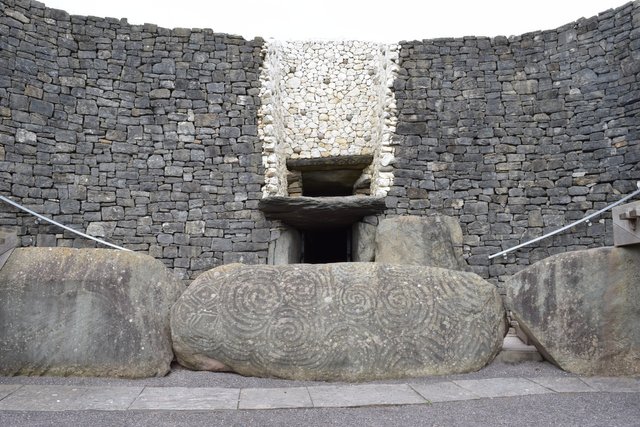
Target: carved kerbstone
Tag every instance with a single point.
(345, 321)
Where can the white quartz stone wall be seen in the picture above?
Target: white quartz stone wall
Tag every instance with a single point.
(322, 99)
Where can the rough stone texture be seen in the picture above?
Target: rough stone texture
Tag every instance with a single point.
(327, 99)
(518, 136)
(131, 132)
(94, 312)
(345, 321)
(431, 241)
(363, 242)
(582, 309)
(320, 212)
(512, 136)
(286, 249)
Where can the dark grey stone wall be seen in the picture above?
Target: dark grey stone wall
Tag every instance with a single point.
(143, 136)
(519, 136)
(147, 137)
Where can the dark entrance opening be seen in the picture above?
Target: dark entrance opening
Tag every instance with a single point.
(330, 183)
(325, 246)
(329, 176)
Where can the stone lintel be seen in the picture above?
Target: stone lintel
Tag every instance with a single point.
(320, 212)
(330, 163)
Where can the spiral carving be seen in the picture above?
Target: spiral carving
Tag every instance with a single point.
(357, 301)
(302, 293)
(249, 303)
(341, 321)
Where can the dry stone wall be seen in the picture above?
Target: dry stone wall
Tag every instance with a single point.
(519, 136)
(140, 135)
(149, 137)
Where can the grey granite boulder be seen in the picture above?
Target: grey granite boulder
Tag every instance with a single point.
(430, 241)
(345, 321)
(582, 309)
(95, 312)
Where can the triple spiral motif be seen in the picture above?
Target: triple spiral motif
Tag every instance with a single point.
(336, 321)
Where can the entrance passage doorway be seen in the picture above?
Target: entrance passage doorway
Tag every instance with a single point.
(326, 245)
(321, 213)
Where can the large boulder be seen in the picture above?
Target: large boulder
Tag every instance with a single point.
(434, 241)
(582, 309)
(345, 321)
(96, 312)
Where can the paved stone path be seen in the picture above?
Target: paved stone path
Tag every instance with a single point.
(17, 397)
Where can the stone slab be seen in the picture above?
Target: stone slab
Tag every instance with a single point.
(516, 356)
(502, 387)
(363, 237)
(563, 385)
(70, 398)
(516, 351)
(7, 389)
(342, 396)
(444, 392)
(430, 241)
(274, 398)
(185, 398)
(320, 212)
(330, 163)
(515, 344)
(614, 384)
(287, 248)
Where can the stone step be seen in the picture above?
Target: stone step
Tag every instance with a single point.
(520, 333)
(515, 350)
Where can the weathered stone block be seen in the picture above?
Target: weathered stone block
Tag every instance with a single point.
(411, 128)
(91, 312)
(155, 162)
(551, 105)
(87, 106)
(41, 107)
(582, 309)
(286, 249)
(112, 213)
(25, 136)
(347, 322)
(427, 241)
(229, 132)
(363, 242)
(160, 93)
(166, 66)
